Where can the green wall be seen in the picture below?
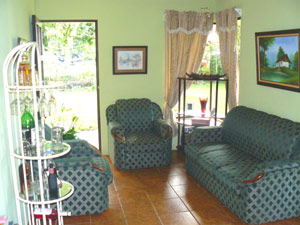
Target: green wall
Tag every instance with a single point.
(15, 19)
(132, 22)
(259, 16)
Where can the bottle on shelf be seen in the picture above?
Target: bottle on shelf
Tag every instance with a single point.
(50, 213)
(27, 122)
(52, 182)
(24, 72)
(24, 177)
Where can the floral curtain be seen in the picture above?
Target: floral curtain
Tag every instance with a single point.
(186, 35)
(226, 24)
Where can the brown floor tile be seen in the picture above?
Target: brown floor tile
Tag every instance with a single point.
(143, 220)
(294, 221)
(114, 212)
(133, 196)
(185, 189)
(200, 202)
(111, 188)
(181, 179)
(147, 173)
(181, 218)
(77, 219)
(113, 198)
(109, 222)
(155, 183)
(130, 186)
(177, 170)
(165, 192)
(230, 214)
(213, 216)
(140, 208)
(167, 206)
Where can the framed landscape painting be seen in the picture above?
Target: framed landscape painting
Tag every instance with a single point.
(277, 59)
(130, 59)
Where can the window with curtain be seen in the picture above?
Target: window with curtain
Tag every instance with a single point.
(211, 64)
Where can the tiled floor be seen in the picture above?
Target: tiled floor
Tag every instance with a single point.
(166, 196)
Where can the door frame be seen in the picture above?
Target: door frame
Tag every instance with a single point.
(36, 37)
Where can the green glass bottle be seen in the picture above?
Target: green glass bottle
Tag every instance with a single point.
(27, 122)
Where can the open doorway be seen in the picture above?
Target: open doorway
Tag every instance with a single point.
(70, 58)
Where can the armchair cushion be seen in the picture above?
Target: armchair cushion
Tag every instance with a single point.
(145, 141)
(135, 114)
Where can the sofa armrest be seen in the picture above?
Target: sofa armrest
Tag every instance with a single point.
(85, 164)
(162, 128)
(205, 134)
(80, 147)
(271, 167)
(117, 131)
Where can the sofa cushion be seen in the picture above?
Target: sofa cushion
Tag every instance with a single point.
(196, 149)
(135, 114)
(144, 141)
(230, 165)
(265, 136)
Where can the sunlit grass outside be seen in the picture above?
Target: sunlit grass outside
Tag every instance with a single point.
(202, 89)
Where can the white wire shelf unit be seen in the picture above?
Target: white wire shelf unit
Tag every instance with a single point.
(31, 191)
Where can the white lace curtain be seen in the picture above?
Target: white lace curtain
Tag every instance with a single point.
(186, 35)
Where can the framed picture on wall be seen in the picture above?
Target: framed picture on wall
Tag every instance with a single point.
(277, 59)
(130, 59)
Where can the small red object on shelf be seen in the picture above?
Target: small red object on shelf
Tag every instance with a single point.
(50, 214)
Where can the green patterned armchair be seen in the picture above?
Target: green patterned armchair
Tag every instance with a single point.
(251, 163)
(90, 175)
(139, 137)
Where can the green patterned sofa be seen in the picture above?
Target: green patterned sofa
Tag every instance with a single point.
(138, 135)
(251, 163)
(82, 168)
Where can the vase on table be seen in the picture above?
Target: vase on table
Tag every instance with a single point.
(203, 102)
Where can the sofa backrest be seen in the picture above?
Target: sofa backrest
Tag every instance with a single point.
(135, 114)
(265, 136)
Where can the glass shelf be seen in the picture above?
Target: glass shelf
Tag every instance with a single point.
(65, 192)
(14, 88)
(55, 154)
(200, 121)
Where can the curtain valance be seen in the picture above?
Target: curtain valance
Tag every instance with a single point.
(188, 22)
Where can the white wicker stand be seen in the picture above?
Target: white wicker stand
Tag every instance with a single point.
(38, 198)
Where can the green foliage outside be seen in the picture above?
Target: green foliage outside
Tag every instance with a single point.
(280, 52)
(69, 51)
(69, 39)
(211, 62)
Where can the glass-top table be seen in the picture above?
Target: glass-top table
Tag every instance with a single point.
(34, 195)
